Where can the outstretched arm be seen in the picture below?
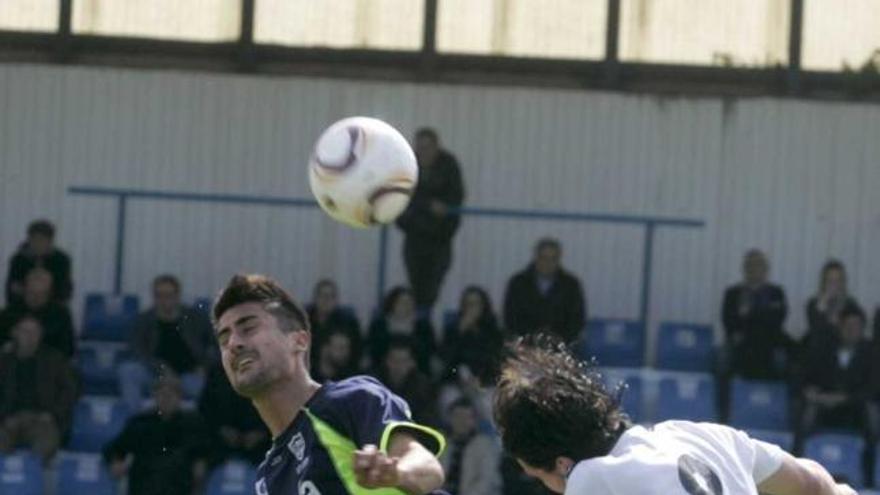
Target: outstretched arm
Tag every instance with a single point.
(802, 477)
(408, 466)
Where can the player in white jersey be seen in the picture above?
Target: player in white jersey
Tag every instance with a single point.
(564, 427)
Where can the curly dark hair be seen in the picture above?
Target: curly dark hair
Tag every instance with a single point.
(549, 404)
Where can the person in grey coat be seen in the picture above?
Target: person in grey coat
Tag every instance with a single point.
(472, 458)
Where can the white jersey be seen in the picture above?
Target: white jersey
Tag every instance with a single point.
(678, 458)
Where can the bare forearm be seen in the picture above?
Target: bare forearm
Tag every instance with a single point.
(420, 472)
(820, 483)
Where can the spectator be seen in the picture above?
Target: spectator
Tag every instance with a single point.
(325, 314)
(335, 358)
(824, 309)
(544, 297)
(38, 389)
(400, 374)
(163, 451)
(399, 318)
(39, 251)
(431, 220)
(471, 460)
(838, 381)
(233, 420)
(753, 313)
(473, 341)
(169, 338)
(37, 301)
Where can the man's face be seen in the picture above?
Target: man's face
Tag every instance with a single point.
(463, 421)
(166, 299)
(400, 364)
(255, 351)
(553, 480)
(40, 244)
(37, 289)
(755, 269)
(27, 334)
(834, 282)
(167, 399)
(404, 307)
(338, 349)
(851, 330)
(326, 298)
(427, 150)
(547, 261)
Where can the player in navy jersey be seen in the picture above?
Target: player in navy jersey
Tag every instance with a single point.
(352, 437)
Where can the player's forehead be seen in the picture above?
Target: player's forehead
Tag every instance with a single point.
(241, 314)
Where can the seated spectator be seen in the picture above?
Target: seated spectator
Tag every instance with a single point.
(163, 451)
(39, 251)
(544, 297)
(326, 314)
(838, 380)
(753, 313)
(399, 319)
(237, 427)
(335, 358)
(473, 341)
(471, 461)
(824, 309)
(37, 392)
(37, 301)
(400, 374)
(169, 338)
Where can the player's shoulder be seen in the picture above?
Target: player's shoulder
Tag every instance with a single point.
(360, 387)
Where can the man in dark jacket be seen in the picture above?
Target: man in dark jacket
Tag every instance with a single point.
(39, 251)
(839, 381)
(37, 392)
(169, 338)
(753, 313)
(544, 297)
(163, 451)
(54, 317)
(430, 222)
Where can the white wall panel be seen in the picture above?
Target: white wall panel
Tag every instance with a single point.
(798, 179)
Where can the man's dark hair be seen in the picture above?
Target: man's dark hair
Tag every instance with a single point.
(829, 265)
(428, 133)
(167, 279)
(41, 227)
(548, 242)
(549, 404)
(850, 311)
(243, 289)
(391, 299)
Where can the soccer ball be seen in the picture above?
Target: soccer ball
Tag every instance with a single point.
(362, 172)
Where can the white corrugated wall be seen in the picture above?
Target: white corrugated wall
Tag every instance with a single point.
(798, 179)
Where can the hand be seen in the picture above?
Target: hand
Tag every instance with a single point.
(844, 489)
(118, 468)
(230, 436)
(199, 470)
(374, 469)
(439, 209)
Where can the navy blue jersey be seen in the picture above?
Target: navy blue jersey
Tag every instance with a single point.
(314, 456)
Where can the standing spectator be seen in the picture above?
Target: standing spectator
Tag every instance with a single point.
(400, 374)
(169, 338)
(37, 392)
(474, 339)
(39, 251)
(37, 301)
(325, 314)
(471, 461)
(399, 318)
(753, 313)
(430, 221)
(824, 309)
(163, 451)
(839, 380)
(544, 297)
(233, 420)
(335, 358)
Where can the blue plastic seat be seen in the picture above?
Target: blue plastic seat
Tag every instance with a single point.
(84, 474)
(759, 404)
(689, 398)
(232, 478)
(615, 343)
(840, 454)
(783, 439)
(97, 362)
(21, 474)
(632, 397)
(96, 421)
(685, 347)
(109, 317)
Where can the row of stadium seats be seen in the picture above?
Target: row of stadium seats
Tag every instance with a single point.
(78, 474)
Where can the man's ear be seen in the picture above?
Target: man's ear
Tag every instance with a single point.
(302, 340)
(564, 465)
